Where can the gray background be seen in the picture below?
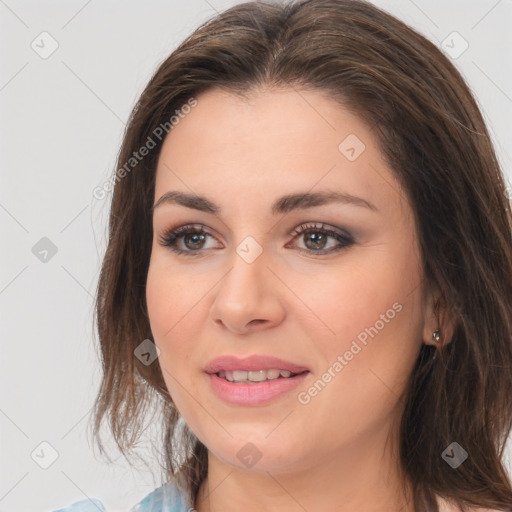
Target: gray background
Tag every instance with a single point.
(62, 119)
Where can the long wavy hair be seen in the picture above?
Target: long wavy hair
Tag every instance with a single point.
(433, 136)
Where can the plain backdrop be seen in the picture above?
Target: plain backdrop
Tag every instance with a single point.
(62, 118)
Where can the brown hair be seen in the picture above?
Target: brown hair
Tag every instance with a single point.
(432, 133)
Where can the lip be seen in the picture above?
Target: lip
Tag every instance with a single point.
(253, 394)
(259, 392)
(255, 362)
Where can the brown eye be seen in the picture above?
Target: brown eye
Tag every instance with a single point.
(191, 239)
(316, 239)
(194, 239)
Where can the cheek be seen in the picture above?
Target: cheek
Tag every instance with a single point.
(346, 300)
(171, 307)
(369, 312)
(172, 300)
(376, 328)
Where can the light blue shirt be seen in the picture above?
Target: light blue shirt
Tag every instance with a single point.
(167, 498)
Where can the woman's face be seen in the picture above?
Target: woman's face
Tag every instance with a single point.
(330, 285)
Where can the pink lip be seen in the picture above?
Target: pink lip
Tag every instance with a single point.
(253, 394)
(255, 362)
(257, 393)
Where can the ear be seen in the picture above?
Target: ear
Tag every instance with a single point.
(438, 315)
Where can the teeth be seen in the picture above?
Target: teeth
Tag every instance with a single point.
(253, 376)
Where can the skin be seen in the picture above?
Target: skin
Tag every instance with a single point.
(242, 155)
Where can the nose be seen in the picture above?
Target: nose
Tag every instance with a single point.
(247, 299)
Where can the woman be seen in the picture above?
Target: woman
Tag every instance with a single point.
(310, 264)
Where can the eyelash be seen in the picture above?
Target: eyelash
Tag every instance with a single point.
(170, 238)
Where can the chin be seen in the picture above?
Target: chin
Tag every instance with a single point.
(256, 454)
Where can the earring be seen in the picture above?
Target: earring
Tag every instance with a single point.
(436, 336)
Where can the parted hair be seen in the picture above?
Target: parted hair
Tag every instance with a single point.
(432, 134)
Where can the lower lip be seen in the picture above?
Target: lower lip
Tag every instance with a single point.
(253, 394)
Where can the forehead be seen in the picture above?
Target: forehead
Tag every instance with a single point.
(254, 148)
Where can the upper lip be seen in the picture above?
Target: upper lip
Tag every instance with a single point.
(254, 362)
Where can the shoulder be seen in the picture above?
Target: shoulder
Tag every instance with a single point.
(88, 505)
(166, 498)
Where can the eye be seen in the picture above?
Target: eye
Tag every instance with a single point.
(191, 240)
(316, 238)
(191, 237)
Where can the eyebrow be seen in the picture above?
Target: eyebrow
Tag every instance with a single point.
(285, 204)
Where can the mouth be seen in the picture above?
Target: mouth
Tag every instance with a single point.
(254, 380)
(256, 376)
